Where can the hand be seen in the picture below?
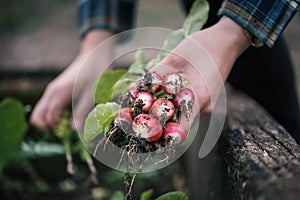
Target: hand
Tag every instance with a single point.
(58, 94)
(222, 43)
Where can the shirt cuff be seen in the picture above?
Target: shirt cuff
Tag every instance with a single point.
(116, 16)
(264, 19)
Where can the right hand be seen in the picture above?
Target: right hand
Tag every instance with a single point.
(58, 94)
(206, 72)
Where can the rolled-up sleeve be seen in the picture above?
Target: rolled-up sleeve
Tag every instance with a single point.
(265, 19)
(114, 15)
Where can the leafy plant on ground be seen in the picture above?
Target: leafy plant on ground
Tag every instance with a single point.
(15, 150)
(18, 174)
(65, 134)
(12, 129)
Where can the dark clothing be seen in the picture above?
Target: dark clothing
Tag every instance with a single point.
(266, 74)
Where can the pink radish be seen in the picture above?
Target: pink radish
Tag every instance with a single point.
(184, 101)
(144, 100)
(162, 108)
(172, 83)
(156, 81)
(125, 115)
(175, 132)
(132, 94)
(147, 127)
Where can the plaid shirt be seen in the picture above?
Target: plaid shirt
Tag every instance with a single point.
(265, 19)
(114, 15)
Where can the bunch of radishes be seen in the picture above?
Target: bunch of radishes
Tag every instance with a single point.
(154, 107)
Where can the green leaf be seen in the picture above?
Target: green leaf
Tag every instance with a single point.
(140, 57)
(135, 71)
(12, 129)
(123, 80)
(103, 90)
(137, 67)
(196, 18)
(146, 195)
(62, 130)
(124, 83)
(170, 43)
(41, 149)
(99, 120)
(173, 196)
(118, 195)
(113, 177)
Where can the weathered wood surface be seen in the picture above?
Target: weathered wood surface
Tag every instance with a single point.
(262, 161)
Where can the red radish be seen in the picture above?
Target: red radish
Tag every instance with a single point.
(124, 119)
(126, 115)
(144, 99)
(172, 83)
(132, 94)
(156, 81)
(147, 127)
(186, 95)
(184, 101)
(162, 108)
(175, 132)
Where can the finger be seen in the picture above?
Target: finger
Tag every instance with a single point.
(207, 110)
(37, 118)
(53, 112)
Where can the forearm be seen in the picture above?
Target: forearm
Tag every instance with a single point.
(224, 43)
(93, 38)
(88, 43)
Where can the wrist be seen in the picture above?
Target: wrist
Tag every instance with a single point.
(93, 38)
(224, 42)
(233, 35)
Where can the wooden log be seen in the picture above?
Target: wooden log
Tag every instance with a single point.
(261, 159)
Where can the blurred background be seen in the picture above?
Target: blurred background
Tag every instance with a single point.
(43, 37)
(38, 39)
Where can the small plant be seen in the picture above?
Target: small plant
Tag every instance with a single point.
(20, 175)
(65, 134)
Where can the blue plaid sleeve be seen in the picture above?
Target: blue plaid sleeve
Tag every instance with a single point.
(265, 19)
(114, 15)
